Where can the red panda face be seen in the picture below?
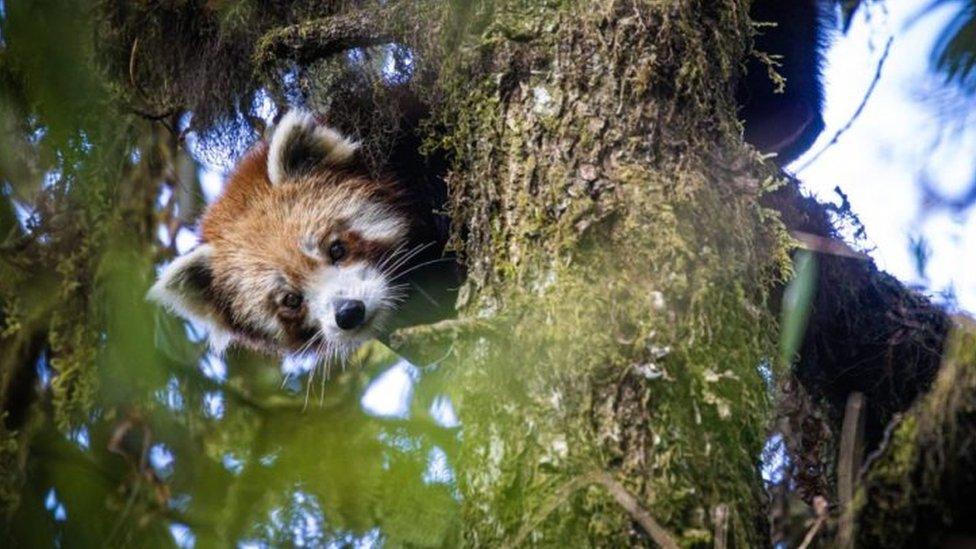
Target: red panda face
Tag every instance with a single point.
(301, 252)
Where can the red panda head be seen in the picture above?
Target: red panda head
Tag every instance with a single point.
(299, 253)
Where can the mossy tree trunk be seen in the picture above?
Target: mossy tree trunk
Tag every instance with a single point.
(615, 324)
(918, 487)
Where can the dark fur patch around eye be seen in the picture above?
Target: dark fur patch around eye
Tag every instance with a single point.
(298, 331)
(249, 329)
(223, 305)
(358, 248)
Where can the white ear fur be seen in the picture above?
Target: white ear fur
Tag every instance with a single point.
(299, 143)
(182, 287)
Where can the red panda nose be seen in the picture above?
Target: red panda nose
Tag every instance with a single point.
(349, 313)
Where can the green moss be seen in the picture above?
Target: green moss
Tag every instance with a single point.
(623, 270)
(631, 273)
(913, 490)
(10, 471)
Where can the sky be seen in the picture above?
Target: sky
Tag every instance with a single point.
(899, 138)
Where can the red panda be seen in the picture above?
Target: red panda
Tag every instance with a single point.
(303, 252)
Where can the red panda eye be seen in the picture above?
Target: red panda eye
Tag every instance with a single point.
(337, 250)
(292, 300)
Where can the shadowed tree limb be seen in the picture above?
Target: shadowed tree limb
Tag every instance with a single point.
(308, 41)
(917, 490)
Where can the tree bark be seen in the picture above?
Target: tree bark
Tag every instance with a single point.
(611, 223)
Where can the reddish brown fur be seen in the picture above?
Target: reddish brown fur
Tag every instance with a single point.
(256, 230)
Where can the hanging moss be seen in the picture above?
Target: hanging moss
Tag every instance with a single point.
(10, 480)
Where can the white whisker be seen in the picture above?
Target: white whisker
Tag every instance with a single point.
(420, 265)
(308, 386)
(406, 258)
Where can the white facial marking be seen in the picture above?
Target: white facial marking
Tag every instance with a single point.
(175, 289)
(359, 281)
(374, 221)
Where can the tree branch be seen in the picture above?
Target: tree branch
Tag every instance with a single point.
(820, 506)
(308, 41)
(626, 500)
(849, 464)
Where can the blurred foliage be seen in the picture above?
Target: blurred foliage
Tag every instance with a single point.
(796, 306)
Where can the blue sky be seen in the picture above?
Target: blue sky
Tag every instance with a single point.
(900, 138)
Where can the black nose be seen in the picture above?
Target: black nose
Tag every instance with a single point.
(349, 313)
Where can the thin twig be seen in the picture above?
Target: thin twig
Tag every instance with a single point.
(133, 81)
(812, 533)
(857, 112)
(443, 330)
(820, 506)
(620, 494)
(825, 245)
(720, 518)
(849, 464)
(626, 500)
(883, 446)
(561, 495)
(132, 63)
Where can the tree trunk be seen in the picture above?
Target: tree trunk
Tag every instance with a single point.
(623, 266)
(614, 377)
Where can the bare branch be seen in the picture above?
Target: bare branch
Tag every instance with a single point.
(626, 500)
(620, 494)
(561, 495)
(849, 464)
(820, 507)
(824, 245)
(720, 518)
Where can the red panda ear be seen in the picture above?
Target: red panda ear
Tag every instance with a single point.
(185, 287)
(300, 145)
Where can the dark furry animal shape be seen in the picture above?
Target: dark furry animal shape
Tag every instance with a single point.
(787, 121)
